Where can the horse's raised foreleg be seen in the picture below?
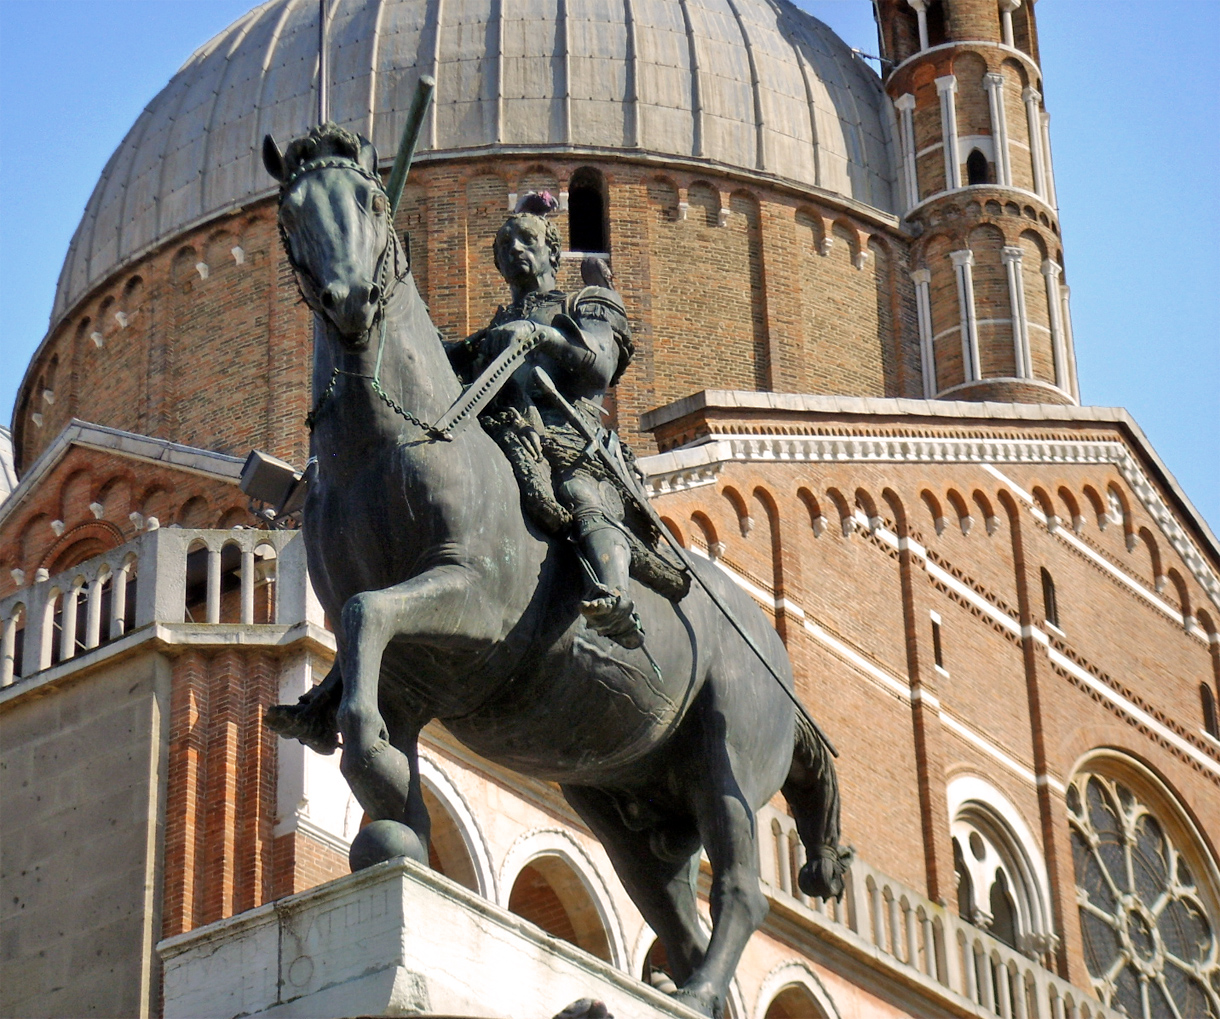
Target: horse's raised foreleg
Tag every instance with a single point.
(437, 608)
(661, 887)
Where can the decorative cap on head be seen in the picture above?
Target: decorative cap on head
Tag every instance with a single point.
(538, 203)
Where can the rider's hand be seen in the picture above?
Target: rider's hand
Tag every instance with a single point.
(502, 336)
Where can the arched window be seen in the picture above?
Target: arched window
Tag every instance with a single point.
(1210, 722)
(1147, 895)
(588, 224)
(793, 1002)
(1002, 885)
(977, 171)
(1049, 603)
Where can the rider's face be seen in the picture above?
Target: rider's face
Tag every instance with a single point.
(522, 254)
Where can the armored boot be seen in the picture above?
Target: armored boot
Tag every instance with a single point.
(607, 608)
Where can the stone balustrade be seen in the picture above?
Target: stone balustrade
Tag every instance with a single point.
(903, 929)
(149, 581)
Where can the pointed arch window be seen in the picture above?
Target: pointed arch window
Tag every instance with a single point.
(1050, 602)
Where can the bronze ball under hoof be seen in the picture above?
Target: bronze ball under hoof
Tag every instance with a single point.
(379, 841)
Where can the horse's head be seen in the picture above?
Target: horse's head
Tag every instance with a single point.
(335, 222)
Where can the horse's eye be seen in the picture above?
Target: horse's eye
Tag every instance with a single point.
(378, 203)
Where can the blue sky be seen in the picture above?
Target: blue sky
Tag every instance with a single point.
(1135, 129)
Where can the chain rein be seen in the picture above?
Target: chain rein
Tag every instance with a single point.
(301, 272)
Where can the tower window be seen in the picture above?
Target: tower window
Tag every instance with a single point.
(588, 225)
(936, 23)
(1210, 722)
(977, 171)
(938, 653)
(1049, 603)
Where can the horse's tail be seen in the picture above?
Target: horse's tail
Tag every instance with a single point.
(812, 791)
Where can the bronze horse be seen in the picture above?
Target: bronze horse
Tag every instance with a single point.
(450, 604)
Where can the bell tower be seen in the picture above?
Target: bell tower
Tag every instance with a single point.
(978, 191)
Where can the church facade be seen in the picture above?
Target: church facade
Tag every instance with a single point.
(854, 390)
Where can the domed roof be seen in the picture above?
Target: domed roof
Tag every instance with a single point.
(750, 84)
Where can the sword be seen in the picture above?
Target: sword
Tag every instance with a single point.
(483, 390)
(620, 472)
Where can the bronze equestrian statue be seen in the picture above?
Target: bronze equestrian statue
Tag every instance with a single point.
(452, 603)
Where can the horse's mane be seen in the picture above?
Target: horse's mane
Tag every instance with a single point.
(322, 141)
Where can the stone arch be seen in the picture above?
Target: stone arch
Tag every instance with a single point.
(1120, 512)
(662, 198)
(193, 513)
(1154, 557)
(155, 504)
(74, 495)
(792, 990)
(817, 522)
(964, 518)
(994, 839)
(114, 496)
(811, 220)
(847, 522)
(217, 250)
(990, 519)
(701, 195)
(1072, 506)
(578, 904)
(1182, 591)
(939, 520)
(1098, 505)
(82, 542)
(1046, 505)
(234, 516)
(707, 529)
(868, 506)
(182, 272)
(745, 522)
(676, 530)
(457, 840)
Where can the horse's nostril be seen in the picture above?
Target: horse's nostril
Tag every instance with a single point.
(374, 294)
(328, 298)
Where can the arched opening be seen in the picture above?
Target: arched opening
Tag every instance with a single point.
(965, 887)
(199, 590)
(551, 895)
(793, 1002)
(588, 223)
(1050, 603)
(447, 852)
(977, 169)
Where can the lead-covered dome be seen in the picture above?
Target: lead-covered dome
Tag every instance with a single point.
(746, 84)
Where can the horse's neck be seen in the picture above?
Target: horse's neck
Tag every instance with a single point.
(410, 366)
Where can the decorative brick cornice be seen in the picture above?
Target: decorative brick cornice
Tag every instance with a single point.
(695, 466)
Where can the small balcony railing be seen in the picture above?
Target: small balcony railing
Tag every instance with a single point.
(169, 575)
(904, 929)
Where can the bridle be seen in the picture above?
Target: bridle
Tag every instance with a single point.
(384, 278)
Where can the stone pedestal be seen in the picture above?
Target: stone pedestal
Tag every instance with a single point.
(394, 940)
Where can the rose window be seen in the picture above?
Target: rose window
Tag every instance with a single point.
(1149, 943)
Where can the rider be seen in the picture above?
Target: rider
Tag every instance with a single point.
(584, 344)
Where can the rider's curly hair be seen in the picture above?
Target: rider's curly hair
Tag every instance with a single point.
(554, 242)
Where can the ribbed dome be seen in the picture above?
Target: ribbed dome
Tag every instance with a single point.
(751, 84)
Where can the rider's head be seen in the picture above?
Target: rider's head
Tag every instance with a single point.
(527, 250)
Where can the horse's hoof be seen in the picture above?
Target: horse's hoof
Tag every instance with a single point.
(705, 1004)
(303, 722)
(379, 841)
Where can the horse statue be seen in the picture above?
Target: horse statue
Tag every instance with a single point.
(451, 604)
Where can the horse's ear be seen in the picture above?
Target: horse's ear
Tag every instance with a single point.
(273, 159)
(368, 155)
